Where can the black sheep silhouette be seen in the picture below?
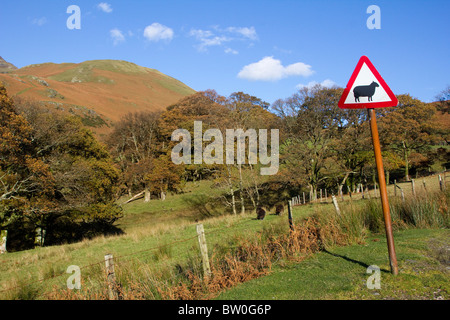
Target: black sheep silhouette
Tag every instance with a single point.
(365, 91)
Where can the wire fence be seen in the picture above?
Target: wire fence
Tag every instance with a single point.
(127, 257)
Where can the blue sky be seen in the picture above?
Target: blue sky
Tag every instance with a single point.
(265, 48)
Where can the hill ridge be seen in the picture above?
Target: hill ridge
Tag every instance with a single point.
(107, 88)
(6, 66)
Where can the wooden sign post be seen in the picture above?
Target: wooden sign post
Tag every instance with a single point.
(366, 89)
(383, 191)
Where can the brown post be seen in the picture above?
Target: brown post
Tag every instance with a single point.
(383, 191)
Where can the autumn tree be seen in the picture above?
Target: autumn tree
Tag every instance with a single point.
(26, 182)
(312, 119)
(443, 100)
(61, 171)
(134, 143)
(408, 128)
(165, 175)
(352, 147)
(246, 112)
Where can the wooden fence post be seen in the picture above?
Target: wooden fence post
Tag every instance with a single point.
(336, 205)
(291, 223)
(440, 183)
(111, 278)
(413, 185)
(203, 251)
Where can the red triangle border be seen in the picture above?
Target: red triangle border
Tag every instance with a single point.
(384, 104)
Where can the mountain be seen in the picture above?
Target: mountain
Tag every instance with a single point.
(6, 66)
(98, 91)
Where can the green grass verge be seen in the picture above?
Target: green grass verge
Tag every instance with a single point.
(341, 273)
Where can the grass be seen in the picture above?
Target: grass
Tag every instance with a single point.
(160, 241)
(341, 272)
(146, 225)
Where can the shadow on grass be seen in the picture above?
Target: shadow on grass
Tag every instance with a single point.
(365, 265)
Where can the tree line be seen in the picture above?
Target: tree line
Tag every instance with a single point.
(57, 176)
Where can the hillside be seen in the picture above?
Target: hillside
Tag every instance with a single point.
(99, 91)
(6, 66)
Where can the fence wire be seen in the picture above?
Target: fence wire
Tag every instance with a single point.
(124, 257)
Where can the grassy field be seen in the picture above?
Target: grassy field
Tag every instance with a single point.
(341, 273)
(160, 237)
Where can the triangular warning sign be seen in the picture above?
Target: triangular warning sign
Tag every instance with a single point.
(367, 89)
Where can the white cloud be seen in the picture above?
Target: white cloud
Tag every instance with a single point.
(207, 38)
(105, 7)
(40, 22)
(200, 34)
(218, 36)
(157, 32)
(117, 36)
(231, 51)
(270, 69)
(326, 83)
(249, 33)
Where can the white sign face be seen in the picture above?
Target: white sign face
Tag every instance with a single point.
(366, 89)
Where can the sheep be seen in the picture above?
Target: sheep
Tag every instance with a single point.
(261, 213)
(365, 91)
(279, 209)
